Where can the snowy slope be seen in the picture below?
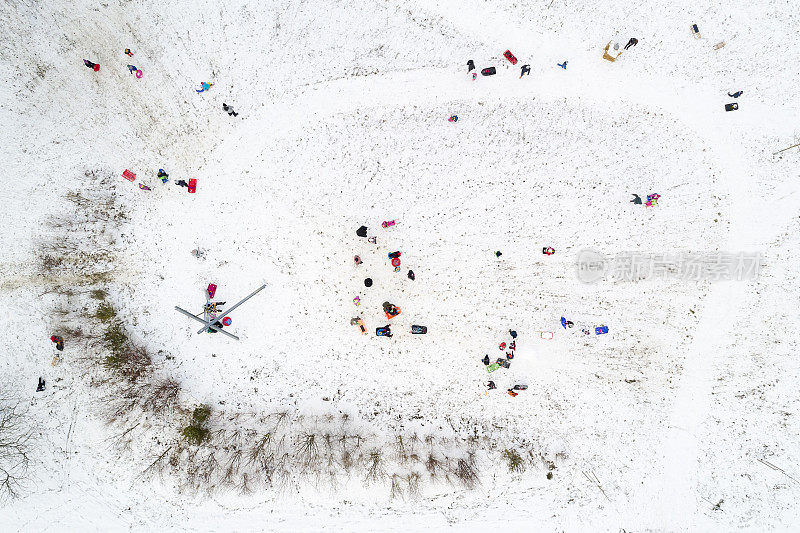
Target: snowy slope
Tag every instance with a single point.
(689, 401)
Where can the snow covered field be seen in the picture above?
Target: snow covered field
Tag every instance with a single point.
(682, 418)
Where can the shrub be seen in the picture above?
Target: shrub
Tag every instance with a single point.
(98, 294)
(105, 312)
(129, 362)
(514, 461)
(115, 339)
(196, 432)
(200, 415)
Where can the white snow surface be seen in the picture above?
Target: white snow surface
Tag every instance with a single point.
(342, 121)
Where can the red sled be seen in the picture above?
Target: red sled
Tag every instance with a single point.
(211, 291)
(128, 175)
(508, 55)
(192, 185)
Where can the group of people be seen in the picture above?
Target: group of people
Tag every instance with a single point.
(504, 362)
(59, 342)
(389, 309)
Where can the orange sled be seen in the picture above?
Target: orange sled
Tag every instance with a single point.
(392, 316)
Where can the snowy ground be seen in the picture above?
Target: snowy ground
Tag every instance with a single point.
(686, 412)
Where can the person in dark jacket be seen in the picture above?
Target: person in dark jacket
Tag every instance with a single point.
(636, 200)
(485, 359)
(470, 66)
(633, 42)
(229, 109)
(59, 342)
(526, 69)
(40, 386)
(411, 275)
(93, 66)
(362, 231)
(492, 385)
(181, 183)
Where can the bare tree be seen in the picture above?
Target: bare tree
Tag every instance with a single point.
(14, 448)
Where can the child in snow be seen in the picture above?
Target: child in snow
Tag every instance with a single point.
(737, 94)
(512, 393)
(526, 69)
(229, 109)
(562, 65)
(163, 175)
(132, 69)
(470, 66)
(636, 200)
(411, 275)
(357, 260)
(492, 385)
(362, 231)
(204, 87)
(128, 52)
(498, 254)
(181, 183)
(93, 66)
(485, 359)
(549, 250)
(40, 386)
(633, 42)
(144, 187)
(59, 342)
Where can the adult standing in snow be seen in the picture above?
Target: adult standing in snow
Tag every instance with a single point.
(362, 231)
(411, 275)
(229, 109)
(633, 42)
(636, 200)
(470, 66)
(93, 66)
(526, 69)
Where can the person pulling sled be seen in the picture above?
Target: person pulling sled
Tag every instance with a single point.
(94, 66)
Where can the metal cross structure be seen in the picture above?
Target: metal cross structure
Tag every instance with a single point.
(211, 314)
